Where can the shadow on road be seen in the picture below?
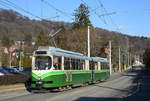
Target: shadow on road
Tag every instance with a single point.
(136, 72)
(97, 99)
(112, 88)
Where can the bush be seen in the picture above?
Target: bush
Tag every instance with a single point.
(13, 79)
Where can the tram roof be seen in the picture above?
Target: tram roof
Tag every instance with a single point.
(61, 52)
(66, 53)
(99, 59)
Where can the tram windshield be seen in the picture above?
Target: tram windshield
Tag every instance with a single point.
(43, 63)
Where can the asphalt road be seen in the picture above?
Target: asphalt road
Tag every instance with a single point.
(120, 87)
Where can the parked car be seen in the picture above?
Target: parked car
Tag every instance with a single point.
(13, 71)
(19, 68)
(1, 74)
(5, 72)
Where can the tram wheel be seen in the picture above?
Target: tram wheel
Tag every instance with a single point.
(60, 89)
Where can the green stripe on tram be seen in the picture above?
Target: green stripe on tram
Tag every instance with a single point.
(68, 77)
(34, 75)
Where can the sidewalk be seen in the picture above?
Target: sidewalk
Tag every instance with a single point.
(11, 88)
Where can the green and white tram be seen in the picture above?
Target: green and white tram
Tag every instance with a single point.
(55, 68)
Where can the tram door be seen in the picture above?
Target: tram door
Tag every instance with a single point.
(93, 76)
(92, 70)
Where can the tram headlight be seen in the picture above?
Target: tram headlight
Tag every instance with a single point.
(39, 78)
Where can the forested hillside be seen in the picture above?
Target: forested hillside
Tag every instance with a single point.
(14, 26)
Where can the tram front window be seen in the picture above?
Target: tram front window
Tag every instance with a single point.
(42, 63)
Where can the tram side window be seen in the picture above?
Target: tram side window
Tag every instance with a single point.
(77, 64)
(96, 65)
(83, 64)
(80, 65)
(104, 66)
(73, 64)
(57, 62)
(66, 63)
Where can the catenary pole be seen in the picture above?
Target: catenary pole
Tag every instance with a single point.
(88, 41)
(110, 67)
(119, 61)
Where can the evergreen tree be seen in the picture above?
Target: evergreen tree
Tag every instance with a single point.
(81, 17)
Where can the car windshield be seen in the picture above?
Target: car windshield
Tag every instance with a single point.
(42, 63)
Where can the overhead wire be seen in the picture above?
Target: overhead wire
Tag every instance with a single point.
(19, 8)
(102, 6)
(58, 10)
(4, 5)
(9, 4)
(103, 17)
(94, 11)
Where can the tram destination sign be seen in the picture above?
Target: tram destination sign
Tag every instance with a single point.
(40, 52)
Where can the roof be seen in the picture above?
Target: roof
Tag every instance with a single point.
(66, 53)
(99, 59)
(61, 52)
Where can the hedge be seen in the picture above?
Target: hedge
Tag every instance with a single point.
(13, 79)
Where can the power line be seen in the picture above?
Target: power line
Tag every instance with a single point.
(9, 4)
(102, 6)
(94, 11)
(62, 12)
(4, 5)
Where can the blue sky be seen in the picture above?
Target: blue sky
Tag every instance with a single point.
(131, 16)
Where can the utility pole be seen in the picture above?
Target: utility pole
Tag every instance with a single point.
(119, 61)
(10, 59)
(20, 62)
(110, 68)
(88, 41)
(128, 58)
(20, 44)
